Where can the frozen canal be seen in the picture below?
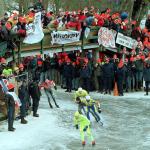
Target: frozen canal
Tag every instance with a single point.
(126, 126)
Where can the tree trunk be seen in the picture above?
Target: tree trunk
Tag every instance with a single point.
(45, 4)
(2, 10)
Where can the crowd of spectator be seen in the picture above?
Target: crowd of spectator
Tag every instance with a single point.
(71, 70)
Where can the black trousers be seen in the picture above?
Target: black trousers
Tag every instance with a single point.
(35, 105)
(86, 84)
(69, 83)
(49, 93)
(107, 84)
(147, 83)
(23, 108)
(11, 113)
(120, 86)
(100, 83)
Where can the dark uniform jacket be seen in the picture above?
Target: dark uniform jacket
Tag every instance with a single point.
(34, 90)
(146, 74)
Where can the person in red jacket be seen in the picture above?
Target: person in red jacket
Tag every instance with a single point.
(48, 85)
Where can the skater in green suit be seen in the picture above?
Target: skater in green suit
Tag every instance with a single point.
(83, 124)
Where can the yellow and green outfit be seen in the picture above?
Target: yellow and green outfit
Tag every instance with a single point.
(92, 109)
(82, 94)
(84, 126)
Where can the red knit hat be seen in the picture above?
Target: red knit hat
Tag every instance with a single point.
(68, 60)
(120, 65)
(3, 60)
(21, 66)
(131, 58)
(39, 63)
(98, 60)
(10, 86)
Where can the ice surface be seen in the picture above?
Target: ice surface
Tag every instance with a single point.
(126, 125)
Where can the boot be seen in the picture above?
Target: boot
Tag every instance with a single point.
(83, 143)
(57, 105)
(67, 90)
(11, 129)
(70, 90)
(23, 121)
(35, 115)
(146, 94)
(93, 143)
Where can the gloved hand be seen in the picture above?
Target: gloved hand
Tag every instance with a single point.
(77, 127)
(55, 87)
(99, 110)
(85, 129)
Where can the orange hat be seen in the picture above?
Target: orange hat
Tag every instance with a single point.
(21, 66)
(68, 60)
(132, 59)
(10, 86)
(120, 65)
(3, 61)
(8, 26)
(98, 60)
(133, 22)
(22, 20)
(142, 57)
(39, 63)
(115, 15)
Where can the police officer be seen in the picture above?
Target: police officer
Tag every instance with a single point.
(10, 107)
(24, 97)
(68, 74)
(35, 93)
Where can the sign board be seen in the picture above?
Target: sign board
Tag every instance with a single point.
(34, 31)
(126, 41)
(106, 37)
(65, 37)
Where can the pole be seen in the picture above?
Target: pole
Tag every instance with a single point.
(13, 54)
(19, 51)
(62, 47)
(41, 51)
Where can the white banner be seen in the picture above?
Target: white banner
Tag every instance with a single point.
(126, 41)
(106, 37)
(65, 37)
(34, 31)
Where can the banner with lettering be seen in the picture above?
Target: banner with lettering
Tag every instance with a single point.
(126, 41)
(65, 37)
(106, 37)
(34, 31)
